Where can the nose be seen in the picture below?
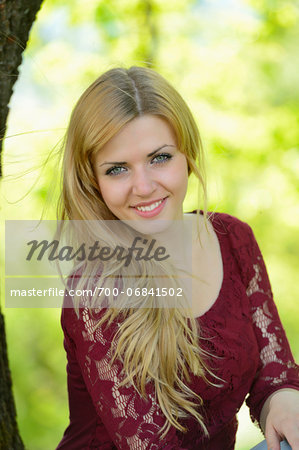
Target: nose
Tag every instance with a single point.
(143, 184)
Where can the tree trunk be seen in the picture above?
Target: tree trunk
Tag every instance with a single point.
(9, 435)
(16, 19)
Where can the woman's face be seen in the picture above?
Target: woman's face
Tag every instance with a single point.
(141, 174)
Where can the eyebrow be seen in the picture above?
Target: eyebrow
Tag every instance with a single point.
(148, 156)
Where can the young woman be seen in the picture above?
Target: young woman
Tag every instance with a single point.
(148, 376)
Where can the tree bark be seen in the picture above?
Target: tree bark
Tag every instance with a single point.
(16, 19)
(9, 434)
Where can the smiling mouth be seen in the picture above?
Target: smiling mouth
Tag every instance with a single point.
(150, 207)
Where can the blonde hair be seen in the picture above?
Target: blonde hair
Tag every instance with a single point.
(154, 344)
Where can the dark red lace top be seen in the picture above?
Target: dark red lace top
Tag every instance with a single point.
(242, 328)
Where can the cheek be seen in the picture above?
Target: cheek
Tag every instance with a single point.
(175, 181)
(112, 195)
(179, 177)
(183, 185)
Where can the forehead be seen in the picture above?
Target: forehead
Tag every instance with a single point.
(143, 134)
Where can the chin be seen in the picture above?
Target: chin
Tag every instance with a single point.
(152, 227)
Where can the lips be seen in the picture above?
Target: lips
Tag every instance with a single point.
(150, 209)
(151, 202)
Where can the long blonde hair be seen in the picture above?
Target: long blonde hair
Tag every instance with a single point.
(154, 344)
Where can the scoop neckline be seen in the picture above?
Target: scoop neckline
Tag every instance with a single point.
(224, 268)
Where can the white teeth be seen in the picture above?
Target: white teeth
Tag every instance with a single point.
(150, 207)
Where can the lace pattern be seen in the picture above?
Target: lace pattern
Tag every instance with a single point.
(263, 319)
(253, 285)
(122, 406)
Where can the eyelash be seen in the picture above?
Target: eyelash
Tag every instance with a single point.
(167, 157)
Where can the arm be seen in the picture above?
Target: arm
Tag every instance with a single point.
(85, 428)
(274, 398)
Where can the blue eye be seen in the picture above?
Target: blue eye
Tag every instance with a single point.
(116, 170)
(161, 158)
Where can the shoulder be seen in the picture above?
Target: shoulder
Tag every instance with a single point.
(238, 231)
(241, 242)
(224, 221)
(243, 245)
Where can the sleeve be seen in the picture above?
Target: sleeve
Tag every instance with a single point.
(277, 368)
(85, 429)
(131, 421)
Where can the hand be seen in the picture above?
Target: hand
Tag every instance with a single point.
(280, 418)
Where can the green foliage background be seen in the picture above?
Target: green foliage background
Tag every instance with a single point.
(235, 62)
